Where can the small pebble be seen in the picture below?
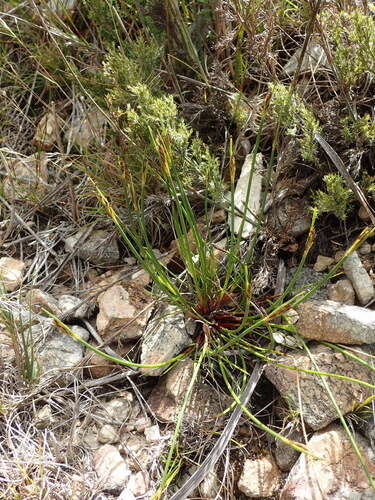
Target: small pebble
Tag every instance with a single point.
(365, 249)
(291, 317)
(260, 477)
(108, 434)
(339, 255)
(130, 261)
(152, 434)
(43, 418)
(342, 291)
(363, 214)
(322, 263)
(112, 470)
(11, 271)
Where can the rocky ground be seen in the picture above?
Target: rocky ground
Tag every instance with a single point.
(115, 423)
(84, 411)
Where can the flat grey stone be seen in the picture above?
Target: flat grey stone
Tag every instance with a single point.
(306, 280)
(334, 322)
(165, 337)
(313, 59)
(59, 353)
(306, 393)
(99, 248)
(285, 455)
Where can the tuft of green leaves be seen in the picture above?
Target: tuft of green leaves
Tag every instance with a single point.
(153, 127)
(239, 109)
(361, 130)
(154, 138)
(353, 36)
(157, 117)
(295, 118)
(336, 199)
(19, 329)
(130, 65)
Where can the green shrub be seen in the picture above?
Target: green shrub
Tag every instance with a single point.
(106, 17)
(353, 37)
(337, 198)
(291, 114)
(149, 129)
(154, 128)
(131, 65)
(360, 131)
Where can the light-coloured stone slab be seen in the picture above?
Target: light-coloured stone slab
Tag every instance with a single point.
(252, 172)
(260, 477)
(333, 322)
(306, 393)
(359, 277)
(337, 474)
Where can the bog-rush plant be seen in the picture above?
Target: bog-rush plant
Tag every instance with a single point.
(215, 291)
(221, 304)
(118, 72)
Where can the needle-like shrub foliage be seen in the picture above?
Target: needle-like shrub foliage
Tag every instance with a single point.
(336, 199)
